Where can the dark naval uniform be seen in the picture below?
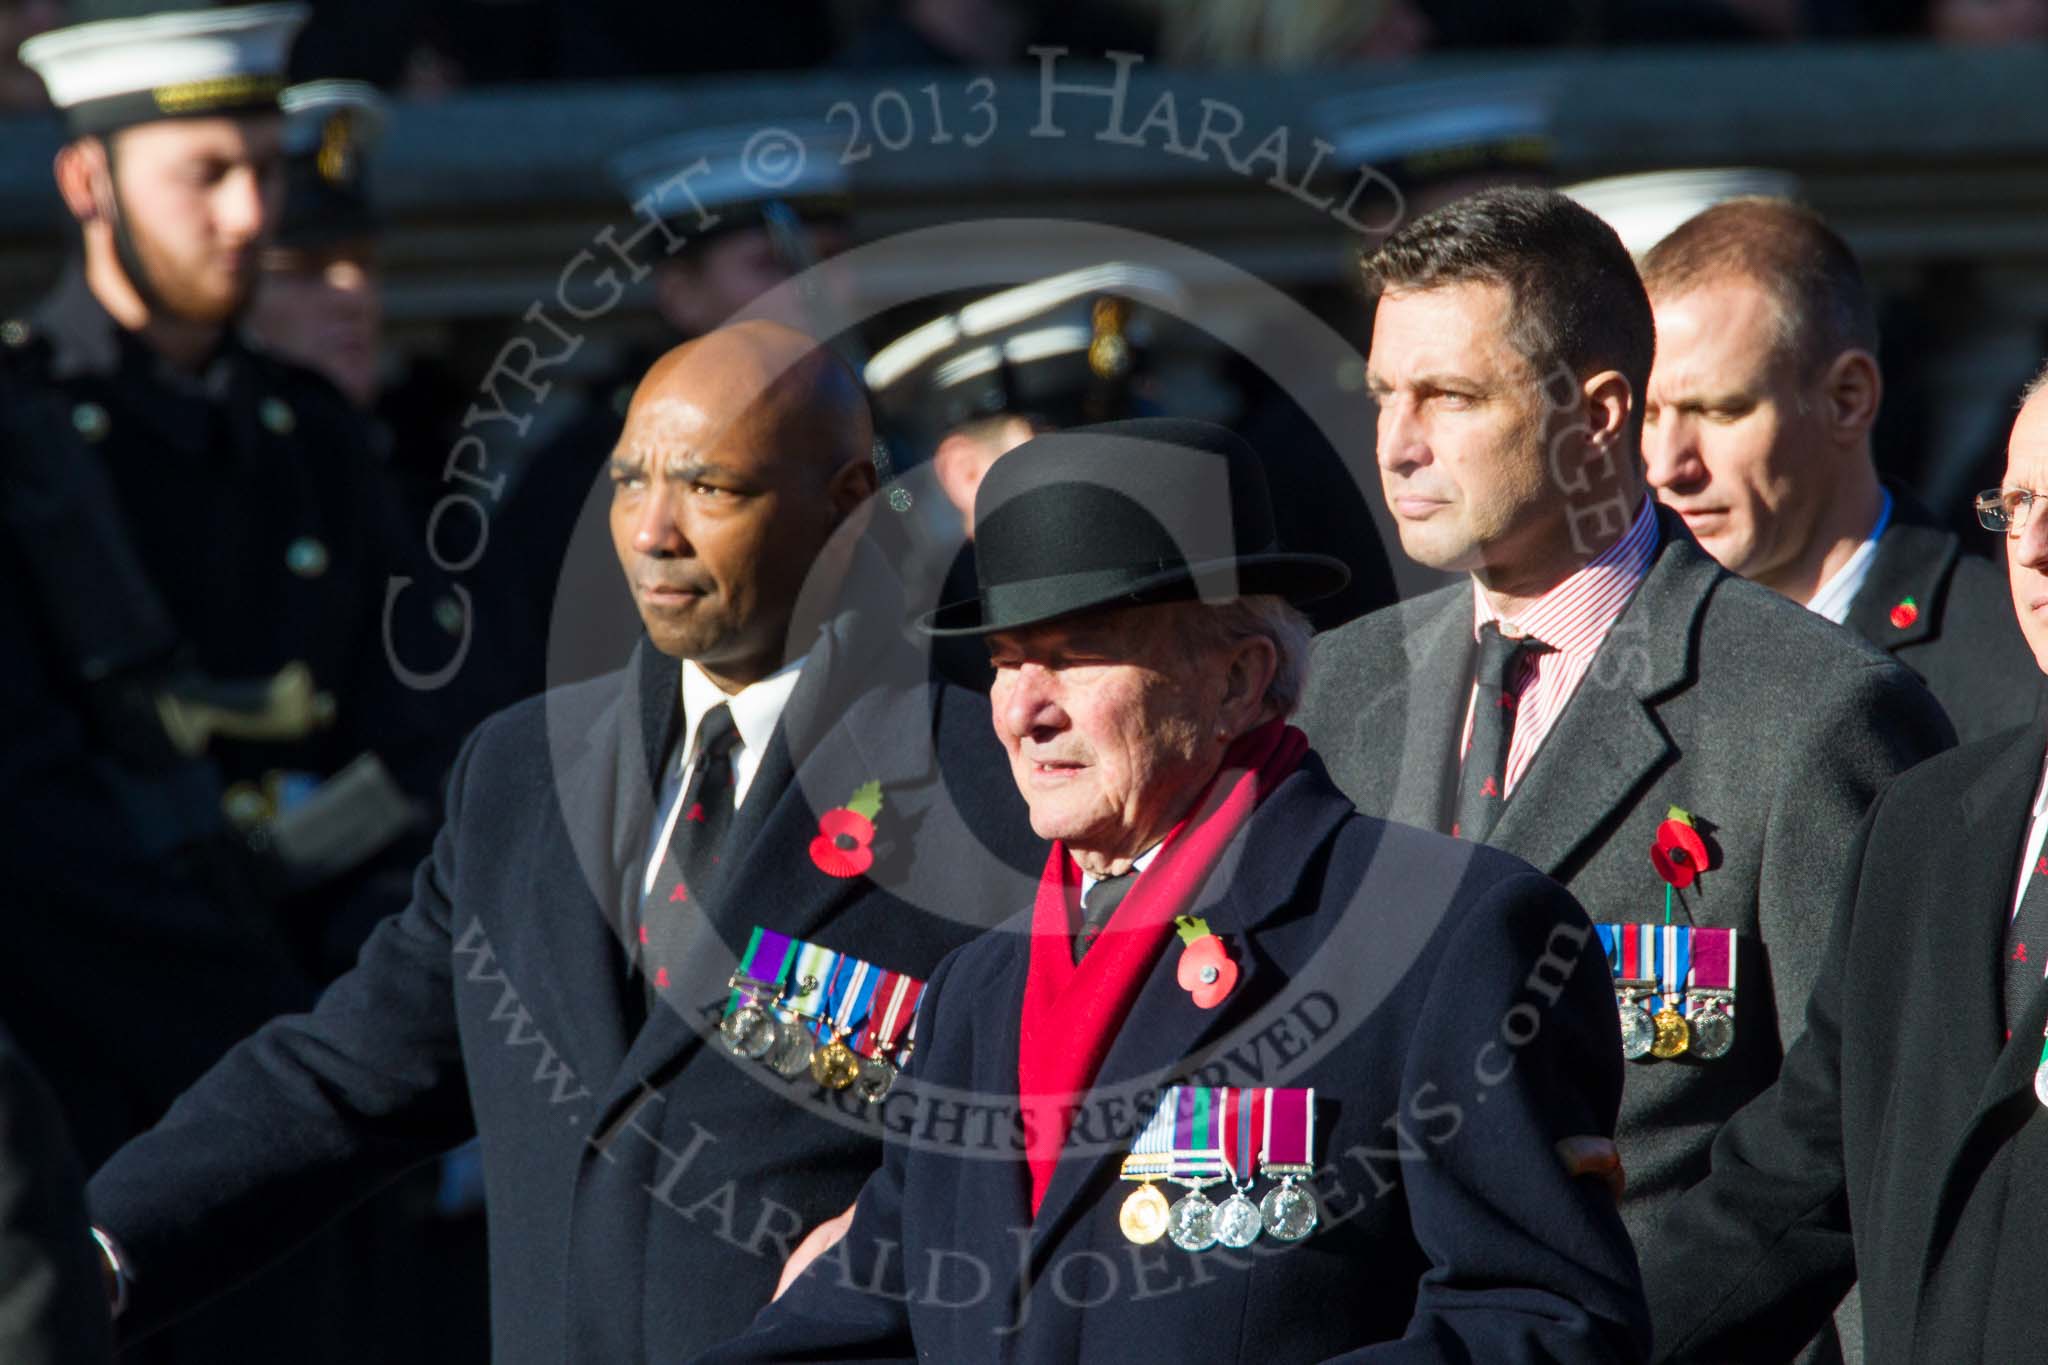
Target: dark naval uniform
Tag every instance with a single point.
(1947, 614)
(245, 516)
(158, 528)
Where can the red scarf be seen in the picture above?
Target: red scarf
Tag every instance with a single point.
(1072, 1011)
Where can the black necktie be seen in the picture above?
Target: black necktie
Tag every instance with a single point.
(708, 805)
(1483, 780)
(2026, 944)
(703, 816)
(1096, 908)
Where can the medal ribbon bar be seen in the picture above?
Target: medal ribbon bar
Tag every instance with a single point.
(1673, 964)
(1197, 1138)
(847, 1000)
(1713, 963)
(764, 964)
(1244, 1125)
(1149, 1154)
(1288, 1146)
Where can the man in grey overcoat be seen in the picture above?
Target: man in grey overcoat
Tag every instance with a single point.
(1600, 692)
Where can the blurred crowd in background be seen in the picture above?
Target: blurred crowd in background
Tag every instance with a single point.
(422, 50)
(1076, 347)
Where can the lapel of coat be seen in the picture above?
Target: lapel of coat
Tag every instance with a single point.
(1914, 557)
(1411, 728)
(1971, 1117)
(1165, 1031)
(608, 776)
(839, 730)
(1608, 742)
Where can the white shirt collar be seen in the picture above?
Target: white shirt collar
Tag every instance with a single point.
(1834, 596)
(756, 711)
(1138, 864)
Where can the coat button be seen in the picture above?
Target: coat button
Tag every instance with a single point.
(91, 420)
(14, 332)
(448, 614)
(306, 557)
(277, 417)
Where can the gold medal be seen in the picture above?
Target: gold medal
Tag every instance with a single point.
(835, 1065)
(1143, 1216)
(1673, 1035)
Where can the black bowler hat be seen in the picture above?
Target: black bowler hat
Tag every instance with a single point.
(1124, 513)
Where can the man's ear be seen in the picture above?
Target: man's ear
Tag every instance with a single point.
(1609, 401)
(81, 170)
(853, 484)
(1249, 672)
(1851, 391)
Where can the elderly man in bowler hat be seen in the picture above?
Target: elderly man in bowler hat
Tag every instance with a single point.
(1360, 1039)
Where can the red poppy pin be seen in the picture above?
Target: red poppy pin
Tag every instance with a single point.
(1905, 614)
(1679, 855)
(1206, 971)
(846, 836)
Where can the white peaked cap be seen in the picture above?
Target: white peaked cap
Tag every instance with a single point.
(115, 72)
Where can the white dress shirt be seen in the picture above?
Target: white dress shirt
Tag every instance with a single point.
(756, 711)
(1834, 596)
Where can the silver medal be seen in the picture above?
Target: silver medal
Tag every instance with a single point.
(792, 1055)
(1237, 1222)
(1638, 1033)
(749, 1031)
(1713, 1033)
(874, 1079)
(1289, 1212)
(1191, 1222)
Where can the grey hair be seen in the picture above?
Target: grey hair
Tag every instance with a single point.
(1216, 626)
(2036, 386)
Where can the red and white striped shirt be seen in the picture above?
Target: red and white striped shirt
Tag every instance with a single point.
(1572, 618)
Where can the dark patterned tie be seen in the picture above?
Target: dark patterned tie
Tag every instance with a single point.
(1483, 780)
(703, 816)
(1096, 908)
(2026, 943)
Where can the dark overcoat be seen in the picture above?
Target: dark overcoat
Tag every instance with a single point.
(642, 1188)
(1903, 1143)
(1451, 1010)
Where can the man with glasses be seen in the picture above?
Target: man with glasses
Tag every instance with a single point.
(1757, 432)
(1905, 1142)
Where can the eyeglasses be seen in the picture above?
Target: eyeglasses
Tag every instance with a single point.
(2006, 509)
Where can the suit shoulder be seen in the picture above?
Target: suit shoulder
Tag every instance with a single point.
(563, 711)
(1349, 660)
(1750, 617)
(1754, 639)
(1369, 850)
(1389, 626)
(1932, 787)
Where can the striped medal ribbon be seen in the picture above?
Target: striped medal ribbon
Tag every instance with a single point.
(1144, 1213)
(836, 1066)
(751, 1027)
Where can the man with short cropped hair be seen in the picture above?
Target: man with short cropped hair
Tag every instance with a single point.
(1757, 432)
(1686, 752)
(1905, 1143)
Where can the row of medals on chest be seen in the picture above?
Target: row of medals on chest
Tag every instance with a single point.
(768, 1029)
(1194, 1222)
(1707, 1033)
